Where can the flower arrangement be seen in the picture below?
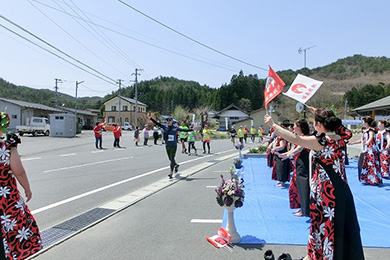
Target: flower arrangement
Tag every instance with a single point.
(231, 191)
(4, 121)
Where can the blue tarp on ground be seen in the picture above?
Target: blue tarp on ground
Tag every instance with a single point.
(266, 216)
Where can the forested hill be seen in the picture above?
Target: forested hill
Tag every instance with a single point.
(164, 94)
(45, 96)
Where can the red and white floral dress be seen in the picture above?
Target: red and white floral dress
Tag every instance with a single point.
(382, 139)
(292, 189)
(21, 237)
(370, 173)
(334, 229)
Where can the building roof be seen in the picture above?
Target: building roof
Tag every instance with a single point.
(229, 107)
(130, 100)
(380, 104)
(80, 112)
(30, 105)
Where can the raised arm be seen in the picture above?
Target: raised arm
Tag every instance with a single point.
(309, 142)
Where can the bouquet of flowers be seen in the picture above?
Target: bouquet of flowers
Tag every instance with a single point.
(231, 191)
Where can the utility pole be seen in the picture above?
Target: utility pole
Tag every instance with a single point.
(119, 102)
(304, 53)
(136, 95)
(345, 109)
(56, 88)
(75, 105)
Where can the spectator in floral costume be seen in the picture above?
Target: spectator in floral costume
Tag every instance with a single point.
(21, 237)
(334, 229)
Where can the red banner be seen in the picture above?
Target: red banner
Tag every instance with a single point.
(273, 87)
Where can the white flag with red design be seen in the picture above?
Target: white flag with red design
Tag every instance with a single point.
(303, 88)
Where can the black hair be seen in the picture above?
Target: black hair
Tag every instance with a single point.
(385, 123)
(370, 121)
(327, 117)
(303, 125)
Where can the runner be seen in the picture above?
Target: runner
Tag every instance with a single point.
(170, 138)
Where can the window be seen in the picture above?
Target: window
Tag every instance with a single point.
(234, 118)
(113, 108)
(59, 118)
(125, 108)
(14, 116)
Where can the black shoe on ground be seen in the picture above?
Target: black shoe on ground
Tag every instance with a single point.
(170, 175)
(284, 256)
(176, 168)
(269, 255)
(204, 152)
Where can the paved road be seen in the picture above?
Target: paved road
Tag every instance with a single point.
(160, 226)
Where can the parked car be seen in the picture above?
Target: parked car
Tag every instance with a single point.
(223, 129)
(127, 126)
(38, 125)
(108, 127)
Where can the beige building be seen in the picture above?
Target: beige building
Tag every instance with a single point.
(256, 118)
(126, 110)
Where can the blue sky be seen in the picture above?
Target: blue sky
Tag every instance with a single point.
(114, 40)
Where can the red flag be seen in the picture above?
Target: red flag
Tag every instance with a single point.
(273, 87)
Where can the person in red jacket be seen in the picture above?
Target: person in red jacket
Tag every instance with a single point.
(98, 135)
(117, 134)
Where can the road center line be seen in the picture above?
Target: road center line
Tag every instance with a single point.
(59, 203)
(207, 221)
(68, 154)
(30, 159)
(87, 164)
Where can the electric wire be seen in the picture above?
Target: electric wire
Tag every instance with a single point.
(114, 48)
(108, 38)
(55, 54)
(74, 38)
(223, 66)
(52, 46)
(189, 38)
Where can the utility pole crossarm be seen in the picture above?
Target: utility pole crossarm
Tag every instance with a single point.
(304, 53)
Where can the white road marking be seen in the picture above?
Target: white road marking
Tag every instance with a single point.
(221, 171)
(207, 221)
(95, 191)
(30, 159)
(87, 164)
(211, 187)
(98, 151)
(59, 203)
(68, 154)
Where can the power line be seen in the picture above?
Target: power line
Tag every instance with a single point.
(52, 46)
(55, 54)
(142, 41)
(189, 38)
(116, 50)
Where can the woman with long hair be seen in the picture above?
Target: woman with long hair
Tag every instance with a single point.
(299, 189)
(383, 144)
(334, 228)
(370, 173)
